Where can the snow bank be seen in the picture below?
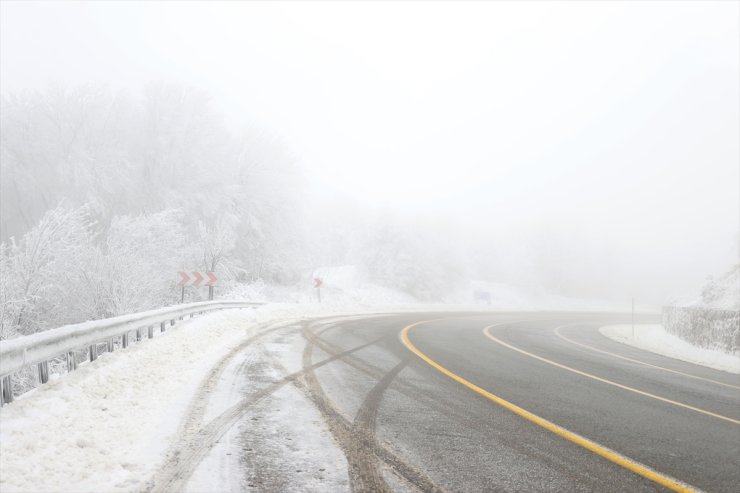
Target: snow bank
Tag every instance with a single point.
(344, 285)
(654, 338)
(105, 426)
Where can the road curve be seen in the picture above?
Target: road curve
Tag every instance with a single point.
(457, 402)
(402, 422)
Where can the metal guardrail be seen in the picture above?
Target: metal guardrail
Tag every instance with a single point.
(40, 348)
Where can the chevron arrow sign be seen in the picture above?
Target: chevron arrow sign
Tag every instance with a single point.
(211, 279)
(197, 279)
(184, 278)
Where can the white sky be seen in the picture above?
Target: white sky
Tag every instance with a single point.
(616, 122)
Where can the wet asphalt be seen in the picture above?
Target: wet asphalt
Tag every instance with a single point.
(407, 426)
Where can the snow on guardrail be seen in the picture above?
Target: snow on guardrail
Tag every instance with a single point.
(17, 354)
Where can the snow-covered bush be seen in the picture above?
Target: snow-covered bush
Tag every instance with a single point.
(704, 327)
(722, 293)
(141, 259)
(712, 321)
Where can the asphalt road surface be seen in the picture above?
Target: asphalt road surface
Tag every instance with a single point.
(506, 402)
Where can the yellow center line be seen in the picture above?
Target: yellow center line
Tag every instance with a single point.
(615, 457)
(560, 335)
(604, 380)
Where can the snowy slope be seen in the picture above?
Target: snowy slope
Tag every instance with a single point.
(654, 338)
(348, 286)
(343, 285)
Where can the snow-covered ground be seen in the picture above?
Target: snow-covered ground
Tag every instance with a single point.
(654, 338)
(343, 285)
(281, 443)
(106, 426)
(347, 286)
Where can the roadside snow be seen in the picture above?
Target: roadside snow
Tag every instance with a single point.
(106, 426)
(654, 338)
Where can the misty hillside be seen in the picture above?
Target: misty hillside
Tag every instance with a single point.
(722, 293)
(106, 196)
(430, 184)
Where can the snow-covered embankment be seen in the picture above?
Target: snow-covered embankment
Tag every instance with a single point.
(654, 338)
(106, 426)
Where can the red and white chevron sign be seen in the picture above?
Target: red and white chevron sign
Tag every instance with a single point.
(197, 279)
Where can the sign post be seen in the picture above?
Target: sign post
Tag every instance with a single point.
(197, 279)
(317, 282)
(184, 278)
(211, 284)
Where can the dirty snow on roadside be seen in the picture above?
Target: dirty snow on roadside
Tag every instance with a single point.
(105, 426)
(654, 338)
(283, 443)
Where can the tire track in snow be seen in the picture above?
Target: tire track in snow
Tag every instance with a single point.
(358, 439)
(198, 439)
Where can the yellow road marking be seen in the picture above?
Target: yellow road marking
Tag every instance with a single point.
(604, 380)
(560, 335)
(607, 453)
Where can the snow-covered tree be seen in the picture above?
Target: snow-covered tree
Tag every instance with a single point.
(40, 268)
(149, 186)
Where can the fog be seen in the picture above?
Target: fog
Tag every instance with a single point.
(588, 150)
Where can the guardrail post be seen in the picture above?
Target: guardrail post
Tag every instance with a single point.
(43, 371)
(71, 361)
(93, 352)
(7, 390)
(172, 322)
(111, 345)
(150, 330)
(124, 340)
(161, 326)
(138, 335)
